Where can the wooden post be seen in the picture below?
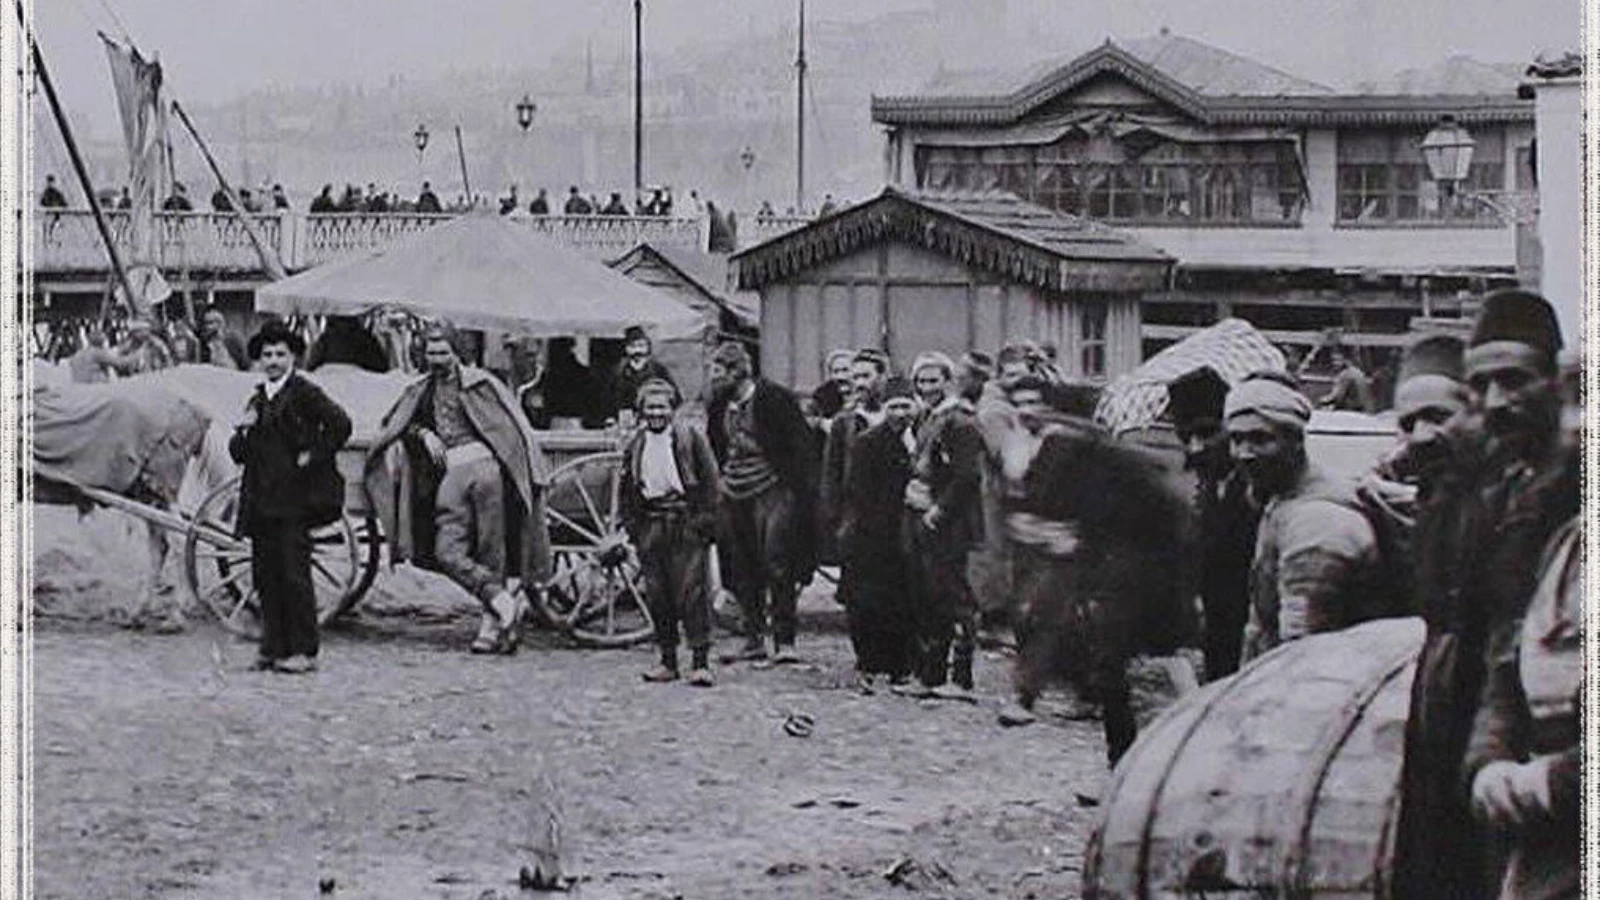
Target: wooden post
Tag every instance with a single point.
(77, 165)
(269, 257)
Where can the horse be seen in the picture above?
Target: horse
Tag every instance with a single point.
(136, 440)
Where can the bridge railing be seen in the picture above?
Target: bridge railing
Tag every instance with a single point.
(66, 241)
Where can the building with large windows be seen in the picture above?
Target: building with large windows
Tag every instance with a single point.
(1297, 206)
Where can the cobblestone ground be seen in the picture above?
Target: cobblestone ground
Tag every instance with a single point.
(408, 768)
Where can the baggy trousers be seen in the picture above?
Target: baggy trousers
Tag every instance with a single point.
(672, 558)
(757, 534)
(470, 525)
(945, 611)
(280, 561)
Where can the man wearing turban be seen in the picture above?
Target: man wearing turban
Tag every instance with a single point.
(1316, 558)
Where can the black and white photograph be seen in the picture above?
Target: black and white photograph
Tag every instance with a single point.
(691, 450)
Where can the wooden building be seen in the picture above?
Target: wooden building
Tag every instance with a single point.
(1297, 206)
(911, 271)
(701, 281)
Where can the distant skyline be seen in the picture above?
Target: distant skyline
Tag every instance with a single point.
(216, 50)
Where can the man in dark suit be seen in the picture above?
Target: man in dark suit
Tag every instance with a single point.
(638, 365)
(881, 610)
(286, 444)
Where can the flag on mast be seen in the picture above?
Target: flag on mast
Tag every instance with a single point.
(137, 83)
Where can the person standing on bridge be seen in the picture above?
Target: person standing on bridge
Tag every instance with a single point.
(286, 444)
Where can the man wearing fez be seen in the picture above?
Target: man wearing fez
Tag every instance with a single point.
(638, 366)
(1315, 566)
(286, 444)
(458, 480)
(766, 530)
(1479, 570)
(944, 520)
(880, 606)
(1227, 520)
(1525, 755)
(669, 505)
(869, 369)
(1439, 850)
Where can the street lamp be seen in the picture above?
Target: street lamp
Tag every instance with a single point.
(1447, 150)
(525, 110)
(747, 157)
(420, 139)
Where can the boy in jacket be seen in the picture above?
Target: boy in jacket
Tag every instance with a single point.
(669, 506)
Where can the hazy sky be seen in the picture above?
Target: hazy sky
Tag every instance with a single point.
(215, 49)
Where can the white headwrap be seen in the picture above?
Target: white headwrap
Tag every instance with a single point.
(1272, 400)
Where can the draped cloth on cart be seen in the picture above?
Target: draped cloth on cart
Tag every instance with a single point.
(132, 437)
(483, 271)
(1233, 347)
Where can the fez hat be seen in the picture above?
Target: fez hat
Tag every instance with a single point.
(1198, 394)
(1433, 354)
(898, 387)
(875, 356)
(634, 333)
(1521, 316)
(978, 361)
(275, 331)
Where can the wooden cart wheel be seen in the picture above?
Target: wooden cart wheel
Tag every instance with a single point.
(596, 593)
(216, 565)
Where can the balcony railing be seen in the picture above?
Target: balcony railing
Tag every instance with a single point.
(66, 241)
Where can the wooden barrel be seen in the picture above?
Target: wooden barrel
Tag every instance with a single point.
(1281, 781)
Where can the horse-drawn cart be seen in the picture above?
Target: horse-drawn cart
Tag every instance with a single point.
(594, 593)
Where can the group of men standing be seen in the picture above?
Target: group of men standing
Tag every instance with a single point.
(1473, 524)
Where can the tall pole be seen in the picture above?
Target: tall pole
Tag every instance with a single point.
(638, 99)
(466, 183)
(77, 161)
(269, 257)
(800, 117)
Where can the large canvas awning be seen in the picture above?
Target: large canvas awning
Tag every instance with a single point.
(486, 272)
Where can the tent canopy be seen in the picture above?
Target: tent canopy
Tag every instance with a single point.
(482, 271)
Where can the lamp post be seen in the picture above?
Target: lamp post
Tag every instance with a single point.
(525, 110)
(747, 159)
(419, 139)
(1447, 151)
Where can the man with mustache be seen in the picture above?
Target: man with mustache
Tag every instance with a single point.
(1316, 560)
(1479, 549)
(458, 479)
(875, 556)
(1525, 754)
(638, 366)
(869, 369)
(1438, 847)
(944, 520)
(1227, 519)
(766, 526)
